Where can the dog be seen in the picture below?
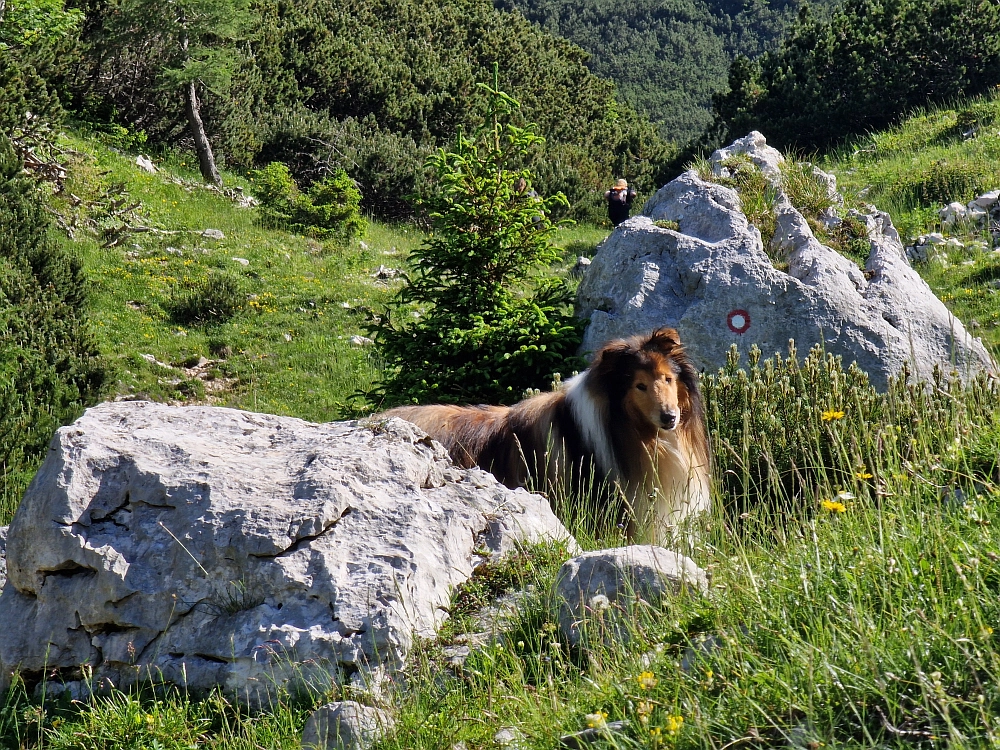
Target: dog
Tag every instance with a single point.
(633, 421)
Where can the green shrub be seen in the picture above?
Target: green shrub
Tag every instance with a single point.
(784, 429)
(49, 364)
(329, 210)
(215, 299)
(487, 329)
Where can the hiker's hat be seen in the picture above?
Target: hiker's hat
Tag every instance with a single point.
(621, 184)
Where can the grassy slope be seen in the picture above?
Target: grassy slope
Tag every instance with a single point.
(873, 626)
(289, 351)
(934, 158)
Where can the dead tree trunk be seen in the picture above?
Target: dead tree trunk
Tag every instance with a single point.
(206, 159)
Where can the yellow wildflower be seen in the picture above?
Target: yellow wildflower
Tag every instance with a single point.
(863, 473)
(644, 709)
(831, 414)
(834, 506)
(674, 724)
(647, 681)
(597, 720)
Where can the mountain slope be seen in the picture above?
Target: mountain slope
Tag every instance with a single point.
(667, 57)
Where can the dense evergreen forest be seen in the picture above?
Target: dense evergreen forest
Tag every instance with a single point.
(371, 88)
(667, 57)
(862, 69)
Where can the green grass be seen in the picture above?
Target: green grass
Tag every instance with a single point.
(288, 351)
(933, 158)
(853, 549)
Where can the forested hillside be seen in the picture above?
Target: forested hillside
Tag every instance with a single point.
(667, 57)
(863, 69)
(371, 88)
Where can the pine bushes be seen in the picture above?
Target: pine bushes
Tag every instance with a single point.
(331, 208)
(49, 365)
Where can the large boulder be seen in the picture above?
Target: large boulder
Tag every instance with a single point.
(712, 281)
(207, 546)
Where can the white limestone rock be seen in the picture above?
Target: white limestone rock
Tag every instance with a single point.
(953, 213)
(210, 546)
(988, 200)
(345, 725)
(596, 594)
(713, 282)
(754, 145)
(146, 164)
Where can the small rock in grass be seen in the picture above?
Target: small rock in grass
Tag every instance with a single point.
(580, 740)
(952, 213)
(145, 164)
(361, 341)
(213, 234)
(600, 591)
(384, 272)
(986, 200)
(582, 264)
(345, 725)
(510, 737)
(3, 555)
(288, 337)
(242, 261)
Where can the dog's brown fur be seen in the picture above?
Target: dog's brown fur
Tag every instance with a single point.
(634, 418)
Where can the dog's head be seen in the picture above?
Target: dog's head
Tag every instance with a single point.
(650, 378)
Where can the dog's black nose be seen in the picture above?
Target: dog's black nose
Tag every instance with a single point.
(668, 420)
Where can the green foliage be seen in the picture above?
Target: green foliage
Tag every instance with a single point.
(486, 329)
(493, 578)
(666, 58)
(783, 428)
(192, 39)
(22, 91)
(216, 299)
(757, 194)
(28, 23)
(49, 366)
(330, 209)
(862, 69)
(372, 88)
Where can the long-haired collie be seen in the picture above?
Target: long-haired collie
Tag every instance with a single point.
(633, 421)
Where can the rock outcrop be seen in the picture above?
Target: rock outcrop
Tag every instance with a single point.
(207, 546)
(712, 280)
(345, 725)
(3, 556)
(597, 594)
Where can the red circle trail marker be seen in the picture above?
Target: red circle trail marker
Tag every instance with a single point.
(738, 321)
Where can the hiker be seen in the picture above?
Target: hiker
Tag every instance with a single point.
(619, 200)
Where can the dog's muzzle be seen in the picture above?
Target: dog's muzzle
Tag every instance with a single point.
(668, 420)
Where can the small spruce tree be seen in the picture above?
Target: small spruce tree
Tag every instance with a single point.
(489, 324)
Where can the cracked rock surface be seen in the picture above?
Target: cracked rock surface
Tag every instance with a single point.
(209, 546)
(713, 282)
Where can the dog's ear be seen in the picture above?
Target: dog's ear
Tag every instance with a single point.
(614, 365)
(612, 355)
(663, 340)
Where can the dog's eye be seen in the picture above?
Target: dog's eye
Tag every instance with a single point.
(641, 386)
